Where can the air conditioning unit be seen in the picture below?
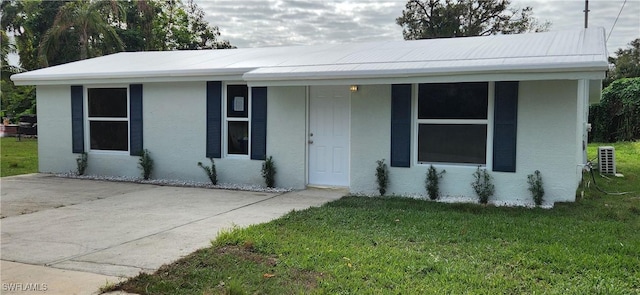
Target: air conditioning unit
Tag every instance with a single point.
(607, 160)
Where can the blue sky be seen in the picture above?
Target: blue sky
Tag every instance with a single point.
(259, 23)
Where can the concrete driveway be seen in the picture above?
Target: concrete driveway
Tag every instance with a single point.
(120, 229)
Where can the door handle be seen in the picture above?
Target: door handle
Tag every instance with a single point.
(310, 141)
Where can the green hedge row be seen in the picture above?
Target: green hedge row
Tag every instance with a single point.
(617, 116)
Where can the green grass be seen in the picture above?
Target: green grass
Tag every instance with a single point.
(18, 157)
(360, 245)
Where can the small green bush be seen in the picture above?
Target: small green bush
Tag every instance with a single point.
(269, 172)
(146, 164)
(482, 185)
(210, 171)
(535, 187)
(382, 176)
(81, 163)
(431, 183)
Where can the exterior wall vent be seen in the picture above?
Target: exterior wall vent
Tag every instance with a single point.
(607, 160)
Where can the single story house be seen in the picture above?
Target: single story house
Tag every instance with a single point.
(511, 104)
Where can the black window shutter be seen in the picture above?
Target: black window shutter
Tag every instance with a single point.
(135, 120)
(77, 119)
(214, 119)
(401, 125)
(258, 123)
(505, 126)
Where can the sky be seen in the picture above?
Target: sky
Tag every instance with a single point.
(260, 23)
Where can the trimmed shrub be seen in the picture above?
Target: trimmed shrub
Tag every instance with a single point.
(81, 163)
(269, 172)
(146, 164)
(210, 171)
(431, 183)
(483, 185)
(382, 176)
(535, 187)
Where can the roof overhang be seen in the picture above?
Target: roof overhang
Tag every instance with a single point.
(130, 77)
(540, 56)
(431, 78)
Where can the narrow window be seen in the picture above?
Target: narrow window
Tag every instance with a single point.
(108, 118)
(237, 120)
(452, 123)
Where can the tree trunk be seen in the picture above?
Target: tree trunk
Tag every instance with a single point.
(83, 44)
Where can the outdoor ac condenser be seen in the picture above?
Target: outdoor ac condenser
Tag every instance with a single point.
(607, 160)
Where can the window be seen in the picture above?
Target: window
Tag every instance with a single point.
(237, 120)
(452, 123)
(108, 118)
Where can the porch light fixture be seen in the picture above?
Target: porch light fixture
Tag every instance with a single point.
(353, 88)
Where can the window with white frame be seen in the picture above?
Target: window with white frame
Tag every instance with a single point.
(237, 120)
(452, 123)
(108, 118)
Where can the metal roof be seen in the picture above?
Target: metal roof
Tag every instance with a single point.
(549, 52)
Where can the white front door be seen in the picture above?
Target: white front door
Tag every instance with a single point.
(329, 116)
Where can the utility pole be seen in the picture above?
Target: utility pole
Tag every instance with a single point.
(586, 13)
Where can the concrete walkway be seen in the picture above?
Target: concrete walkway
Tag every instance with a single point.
(78, 235)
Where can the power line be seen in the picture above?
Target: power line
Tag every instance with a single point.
(614, 23)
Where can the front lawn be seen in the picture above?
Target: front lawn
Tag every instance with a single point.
(362, 245)
(18, 157)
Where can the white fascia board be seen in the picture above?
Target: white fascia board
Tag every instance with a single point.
(342, 72)
(104, 81)
(445, 78)
(33, 78)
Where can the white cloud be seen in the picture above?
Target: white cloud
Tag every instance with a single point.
(259, 23)
(568, 14)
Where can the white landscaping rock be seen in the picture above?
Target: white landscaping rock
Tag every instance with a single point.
(178, 183)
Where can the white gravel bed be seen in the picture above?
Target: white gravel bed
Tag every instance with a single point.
(463, 199)
(178, 183)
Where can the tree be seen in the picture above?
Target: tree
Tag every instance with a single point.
(28, 21)
(136, 31)
(203, 35)
(459, 18)
(91, 19)
(6, 48)
(617, 116)
(46, 33)
(626, 64)
(184, 28)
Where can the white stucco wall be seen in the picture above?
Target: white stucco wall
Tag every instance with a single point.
(546, 141)
(54, 129)
(174, 131)
(174, 128)
(370, 136)
(174, 122)
(287, 135)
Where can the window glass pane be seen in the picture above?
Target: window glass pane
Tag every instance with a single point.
(452, 143)
(107, 102)
(453, 100)
(238, 136)
(109, 135)
(237, 101)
